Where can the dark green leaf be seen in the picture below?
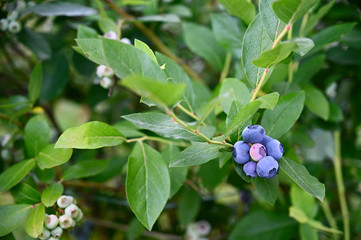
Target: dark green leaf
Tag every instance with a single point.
(84, 169)
(316, 101)
(89, 136)
(299, 174)
(291, 10)
(34, 223)
(147, 184)
(264, 225)
(50, 157)
(189, 205)
(212, 175)
(267, 188)
(302, 200)
(24, 193)
(37, 135)
(135, 229)
(36, 42)
(60, 8)
(14, 174)
(240, 172)
(308, 233)
(314, 18)
(243, 9)
(12, 216)
(114, 168)
(36, 78)
(309, 68)
(233, 90)
(51, 194)
(278, 121)
(197, 153)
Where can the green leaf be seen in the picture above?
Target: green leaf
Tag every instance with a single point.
(291, 10)
(145, 48)
(298, 214)
(14, 174)
(107, 25)
(86, 32)
(36, 42)
(12, 215)
(233, 90)
(313, 19)
(34, 223)
(267, 188)
(197, 153)
(189, 204)
(269, 101)
(51, 194)
(240, 172)
(272, 25)
(114, 168)
(304, 45)
(270, 225)
(275, 55)
(331, 34)
(243, 9)
(309, 68)
(37, 135)
(89, 136)
(161, 124)
(164, 93)
(9, 236)
(278, 121)
(167, 17)
(147, 184)
(83, 169)
(299, 174)
(308, 233)
(242, 117)
(302, 200)
(93, 49)
(36, 79)
(135, 229)
(255, 41)
(124, 59)
(50, 157)
(212, 175)
(316, 101)
(201, 41)
(59, 8)
(177, 175)
(24, 193)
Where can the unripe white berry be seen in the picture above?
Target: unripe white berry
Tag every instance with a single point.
(72, 210)
(4, 24)
(105, 82)
(51, 221)
(13, 15)
(80, 216)
(65, 221)
(57, 232)
(45, 234)
(64, 201)
(20, 5)
(51, 238)
(126, 41)
(14, 27)
(104, 71)
(110, 35)
(203, 228)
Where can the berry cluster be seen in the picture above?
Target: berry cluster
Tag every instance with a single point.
(263, 150)
(11, 23)
(54, 225)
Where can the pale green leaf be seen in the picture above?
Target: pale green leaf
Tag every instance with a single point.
(244, 9)
(14, 174)
(267, 188)
(291, 10)
(34, 223)
(51, 194)
(12, 216)
(37, 135)
(145, 48)
(50, 157)
(269, 101)
(272, 25)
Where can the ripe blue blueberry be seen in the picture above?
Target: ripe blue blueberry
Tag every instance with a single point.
(267, 167)
(275, 149)
(266, 139)
(240, 152)
(253, 134)
(257, 151)
(250, 169)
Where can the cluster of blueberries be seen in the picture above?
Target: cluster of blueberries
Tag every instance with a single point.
(11, 22)
(258, 152)
(54, 225)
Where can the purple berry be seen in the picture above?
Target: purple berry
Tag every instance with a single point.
(267, 167)
(275, 149)
(253, 134)
(240, 152)
(257, 151)
(250, 169)
(266, 139)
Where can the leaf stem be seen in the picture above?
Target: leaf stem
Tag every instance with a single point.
(226, 66)
(157, 139)
(340, 185)
(16, 122)
(282, 34)
(329, 216)
(186, 111)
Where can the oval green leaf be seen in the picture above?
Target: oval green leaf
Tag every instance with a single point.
(51, 194)
(12, 216)
(14, 174)
(50, 157)
(34, 223)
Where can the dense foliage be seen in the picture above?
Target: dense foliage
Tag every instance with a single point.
(133, 108)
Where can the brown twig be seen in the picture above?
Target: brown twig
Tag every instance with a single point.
(7, 118)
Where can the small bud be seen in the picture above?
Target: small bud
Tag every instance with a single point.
(51, 221)
(162, 67)
(4, 24)
(126, 41)
(45, 234)
(105, 82)
(110, 35)
(14, 27)
(64, 201)
(57, 232)
(66, 222)
(72, 210)
(13, 15)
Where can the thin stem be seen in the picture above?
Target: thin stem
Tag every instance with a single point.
(13, 121)
(282, 34)
(156, 41)
(290, 65)
(329, 216)
(225, 69)
(195, 187)
(341, 186)
(303, 24)
(157, 139)
(186, 111)
(101, 8)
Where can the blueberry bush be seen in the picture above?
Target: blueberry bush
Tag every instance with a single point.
(180, 119)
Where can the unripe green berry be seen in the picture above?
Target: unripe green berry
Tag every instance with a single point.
(57, 232)
(51, 221)
(66, 222)
(45, 234)
(72, 210)
(64, 201)
(14, 27)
